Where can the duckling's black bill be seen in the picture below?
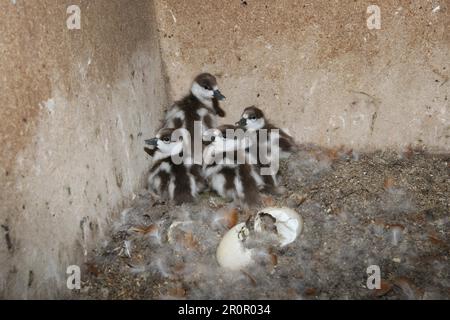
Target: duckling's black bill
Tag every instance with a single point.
(152, 142)
(242, 122)
(218, 95)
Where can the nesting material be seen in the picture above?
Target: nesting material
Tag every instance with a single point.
(351, 221)
(175, 228)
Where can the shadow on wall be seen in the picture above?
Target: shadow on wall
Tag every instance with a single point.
(77, 105)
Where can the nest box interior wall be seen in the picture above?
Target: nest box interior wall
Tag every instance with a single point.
(76, 107)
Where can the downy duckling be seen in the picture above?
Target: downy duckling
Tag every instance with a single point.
(267, 146)
(170, 177)
(225, 168)
(201, 104)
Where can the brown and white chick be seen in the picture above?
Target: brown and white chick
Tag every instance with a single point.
(267, 144)
(170, 177)
(225, 168)
(201, 104)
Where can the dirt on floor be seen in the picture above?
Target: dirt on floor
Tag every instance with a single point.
(387, 209)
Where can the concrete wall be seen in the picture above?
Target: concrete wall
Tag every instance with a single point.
(75, 108)
(317, 69)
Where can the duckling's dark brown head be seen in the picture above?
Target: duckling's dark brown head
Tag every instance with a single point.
(205, 87)
(252, 119)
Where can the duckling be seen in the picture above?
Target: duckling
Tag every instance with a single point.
(225, 168)
(254, 121)
(170, 177)
(202, 104)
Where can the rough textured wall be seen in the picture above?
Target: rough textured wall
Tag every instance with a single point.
(317, 69)
(75, 108)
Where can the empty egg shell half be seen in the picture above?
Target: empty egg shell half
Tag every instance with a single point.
(288, 223)
(231, 252)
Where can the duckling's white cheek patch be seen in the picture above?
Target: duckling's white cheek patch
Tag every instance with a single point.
(255, 124)
(200, 92)
(172, 148)
(260, 123)
(163, 147)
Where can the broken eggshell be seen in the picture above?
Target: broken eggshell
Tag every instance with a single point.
(288, 223)
(231, 252)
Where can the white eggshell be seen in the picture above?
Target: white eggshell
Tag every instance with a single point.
(231, 253)
(288, 222)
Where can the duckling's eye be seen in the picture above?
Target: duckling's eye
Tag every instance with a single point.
(207, 88)
(213, 138)
(252, 118)
(166, 139)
